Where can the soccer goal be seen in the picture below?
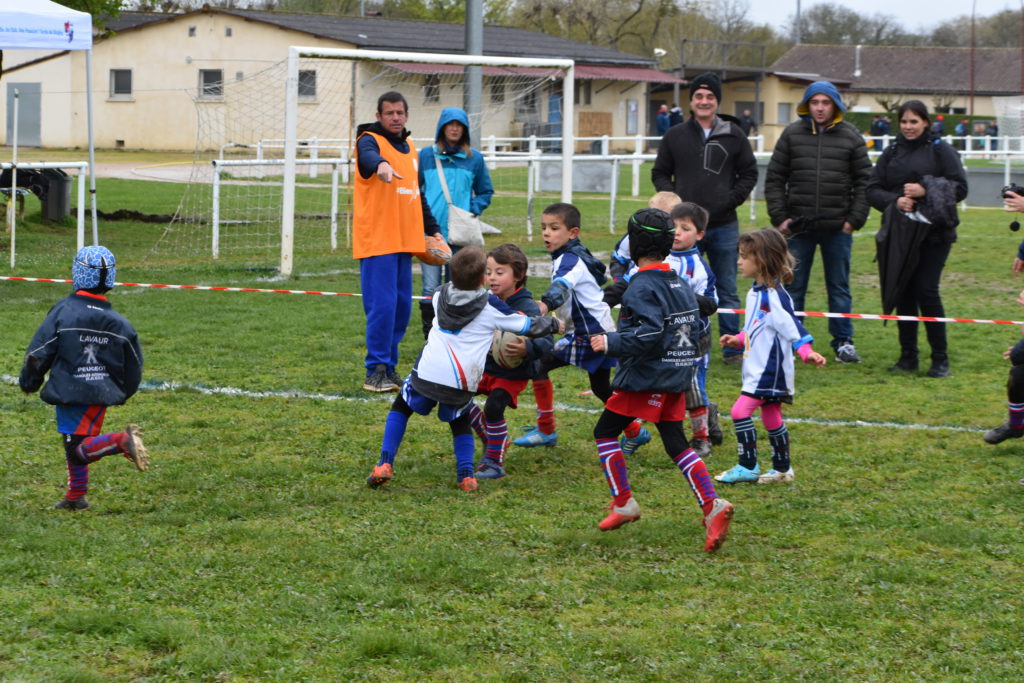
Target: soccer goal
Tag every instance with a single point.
(275, 153)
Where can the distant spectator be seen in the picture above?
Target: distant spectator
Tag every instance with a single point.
(876, 124)
(675, 115)
(885, 127)
(663, 120)
(748, 124)
(993, 132)
(939, 126)
(962, 130)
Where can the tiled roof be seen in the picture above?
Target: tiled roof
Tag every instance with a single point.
(376, 33)
(997, 71)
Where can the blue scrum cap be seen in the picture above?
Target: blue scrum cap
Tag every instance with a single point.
(94, 268)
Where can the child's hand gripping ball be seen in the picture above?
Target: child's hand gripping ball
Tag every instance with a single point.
(508, 349)
(436, 251)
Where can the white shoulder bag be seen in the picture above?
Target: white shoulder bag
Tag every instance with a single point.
(464, 229)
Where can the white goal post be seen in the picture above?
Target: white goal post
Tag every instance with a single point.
(295, 53)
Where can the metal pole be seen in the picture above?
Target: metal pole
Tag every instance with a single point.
(474, 85)
(291, 125)
(92, 145)
(215, 218)
(12, 202)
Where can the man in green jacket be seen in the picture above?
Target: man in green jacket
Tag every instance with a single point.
(814, 189)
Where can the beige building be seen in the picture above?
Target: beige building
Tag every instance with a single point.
(180, 81)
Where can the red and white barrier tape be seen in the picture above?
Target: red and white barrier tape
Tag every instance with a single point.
(809, 314)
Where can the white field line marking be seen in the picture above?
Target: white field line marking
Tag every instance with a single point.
(562, 407)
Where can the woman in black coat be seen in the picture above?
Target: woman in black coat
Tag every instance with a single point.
(920, 179)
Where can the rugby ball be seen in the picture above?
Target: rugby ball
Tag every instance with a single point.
(499, 349)
(436, 251)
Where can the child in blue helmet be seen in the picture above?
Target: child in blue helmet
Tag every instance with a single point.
(93, 358)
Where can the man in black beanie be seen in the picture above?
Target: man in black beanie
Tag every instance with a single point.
(708, 160)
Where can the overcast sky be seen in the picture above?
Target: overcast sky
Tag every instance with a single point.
(912, 14)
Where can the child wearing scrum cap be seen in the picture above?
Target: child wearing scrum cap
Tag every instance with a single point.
(93, 358)
(656, 344)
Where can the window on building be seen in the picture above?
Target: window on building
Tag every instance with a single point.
(432, 90)
(497, 90)
(191, 31)
(527, 106)
(307, 84)
(211, 83)
(227, 31)
(583, 90)
(784, 113)
(120, 84)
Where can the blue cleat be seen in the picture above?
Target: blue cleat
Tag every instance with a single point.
(739, 474)
(534, 437)
(489, 468)
(629, 445)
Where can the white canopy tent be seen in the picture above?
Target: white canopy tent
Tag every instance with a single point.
(45, 25)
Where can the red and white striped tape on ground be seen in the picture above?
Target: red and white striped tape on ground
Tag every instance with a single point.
(809, 314)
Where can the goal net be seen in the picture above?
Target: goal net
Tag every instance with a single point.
(1010, 118)
(274, 154)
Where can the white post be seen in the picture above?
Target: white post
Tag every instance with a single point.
(81, 207)
(568, 131)
(615, 192)
(492, 147)
(638, 150)
(314, 154)
(291, 98)
(529, 196)
(13, 201)
(753, 204)
(334, 207)
(215, 219)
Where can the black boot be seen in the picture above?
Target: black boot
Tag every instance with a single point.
(427, 316)
(906, 363)
(940, 366)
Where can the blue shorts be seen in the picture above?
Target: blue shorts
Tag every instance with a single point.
(422, 405)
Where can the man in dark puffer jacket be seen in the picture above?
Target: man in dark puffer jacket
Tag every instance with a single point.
(814, 189)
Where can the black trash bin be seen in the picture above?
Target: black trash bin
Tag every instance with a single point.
(56, 203)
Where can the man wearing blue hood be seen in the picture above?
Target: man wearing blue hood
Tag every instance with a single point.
(469, 185)
(814, 188)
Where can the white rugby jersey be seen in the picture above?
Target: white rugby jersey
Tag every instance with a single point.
(772, 332)
(590, 314)
(694, 271)
(456, 358)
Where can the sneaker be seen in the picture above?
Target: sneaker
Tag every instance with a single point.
(714, 429)
(468, 484)
(72, 505)
(1002, 433)
(534, 437)
(773, 475)
(845, 353)
(379, 382)
(489, 468)
(630, 512)
(738, 474)
(381, 475)
(136, 450)
(717, 524)
(630, 444)
(700, 447)
(395, 379)
(735, 359)
(939, 368)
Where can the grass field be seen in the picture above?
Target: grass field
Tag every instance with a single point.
(253, 550)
